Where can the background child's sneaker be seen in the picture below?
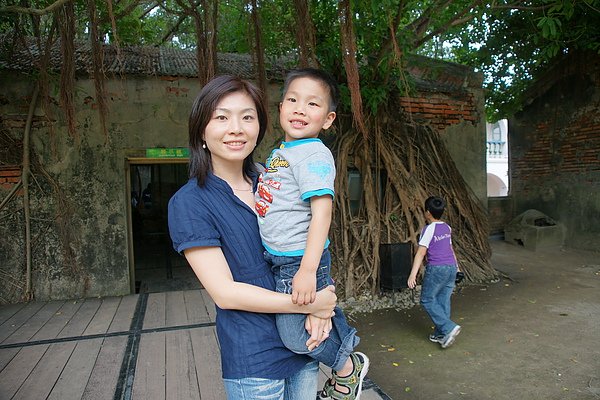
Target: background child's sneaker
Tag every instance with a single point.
(451, 337)
(436, 338)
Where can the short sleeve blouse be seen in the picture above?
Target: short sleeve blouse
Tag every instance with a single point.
(213, 216)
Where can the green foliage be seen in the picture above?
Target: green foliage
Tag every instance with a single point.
(512, 47)
(510, 42)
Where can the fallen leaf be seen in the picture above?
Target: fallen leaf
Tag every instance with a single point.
(391, 349)
(411, 362)
(532, 301)
(407, 389)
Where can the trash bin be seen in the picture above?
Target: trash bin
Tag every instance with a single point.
(395, 266)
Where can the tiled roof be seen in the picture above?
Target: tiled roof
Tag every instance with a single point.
(427, 74)
(129, 60)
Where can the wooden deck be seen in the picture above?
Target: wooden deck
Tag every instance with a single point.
(142, 347)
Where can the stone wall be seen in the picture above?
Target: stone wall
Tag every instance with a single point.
(555, 150)
(80, 220)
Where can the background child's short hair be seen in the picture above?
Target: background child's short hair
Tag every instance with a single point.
(319, 75)
(435, 205)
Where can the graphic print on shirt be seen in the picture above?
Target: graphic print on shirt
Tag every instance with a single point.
(265, 185)
(319, 168)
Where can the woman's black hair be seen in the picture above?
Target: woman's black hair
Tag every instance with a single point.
(202, 110)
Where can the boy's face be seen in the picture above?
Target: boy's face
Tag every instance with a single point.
(304, 111)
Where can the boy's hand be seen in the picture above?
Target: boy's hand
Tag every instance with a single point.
(304, 287)
(412, 281)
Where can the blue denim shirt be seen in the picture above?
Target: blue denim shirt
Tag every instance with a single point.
(213, 216)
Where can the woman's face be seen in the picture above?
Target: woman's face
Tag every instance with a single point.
(232, 131)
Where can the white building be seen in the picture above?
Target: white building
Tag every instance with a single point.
(497, 158)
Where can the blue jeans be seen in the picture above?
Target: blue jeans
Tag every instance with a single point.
(300, 386)
(438, 284)
(336, 349)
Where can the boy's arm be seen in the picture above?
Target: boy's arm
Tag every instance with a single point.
(304, 284)
(412, 279)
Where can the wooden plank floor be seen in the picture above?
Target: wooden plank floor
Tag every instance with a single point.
(143, 347)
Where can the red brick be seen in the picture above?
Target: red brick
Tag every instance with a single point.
(10, 172)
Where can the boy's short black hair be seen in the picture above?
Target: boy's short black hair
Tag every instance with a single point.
(435, 205)
(319, 75)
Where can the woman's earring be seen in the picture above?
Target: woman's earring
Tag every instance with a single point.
(203, 145)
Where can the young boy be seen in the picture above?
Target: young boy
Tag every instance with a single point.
(440, 272)
(294, 202)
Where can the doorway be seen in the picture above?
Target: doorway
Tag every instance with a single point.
(154, 265)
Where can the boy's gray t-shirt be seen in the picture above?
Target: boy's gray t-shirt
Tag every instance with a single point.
(294, 172)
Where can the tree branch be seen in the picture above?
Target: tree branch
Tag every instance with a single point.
(173, 29)
(11, 193)
(458, 19)
(516, 7)
(34, 11)
(419, 25)
(442, 29)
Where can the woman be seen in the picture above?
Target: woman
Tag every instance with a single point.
(212, 222)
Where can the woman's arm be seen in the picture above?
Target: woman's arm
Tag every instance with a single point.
(212, 270)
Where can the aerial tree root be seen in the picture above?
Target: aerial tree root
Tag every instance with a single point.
(401, 164)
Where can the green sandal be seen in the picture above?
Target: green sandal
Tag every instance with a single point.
(353, 381)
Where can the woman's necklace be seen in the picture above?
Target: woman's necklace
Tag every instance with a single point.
(242, 190)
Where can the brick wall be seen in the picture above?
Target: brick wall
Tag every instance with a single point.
(572, 149)
(555, 150)
(9, 177)
(441, 111)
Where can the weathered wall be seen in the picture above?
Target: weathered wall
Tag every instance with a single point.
(88, 195)
(450, 98)
(500, 213)
(79, 204)
(555, 150)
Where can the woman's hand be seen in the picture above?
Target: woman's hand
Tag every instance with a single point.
(324, 303)
(318, 328)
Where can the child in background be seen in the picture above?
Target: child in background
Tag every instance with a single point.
(294, 202)
(440, 272)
